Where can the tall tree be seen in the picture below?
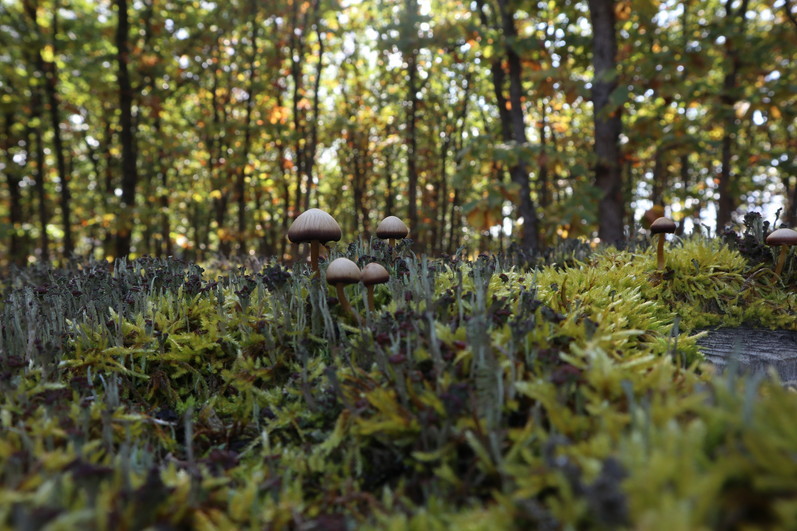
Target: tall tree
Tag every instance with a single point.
(511, 115)
(16, 250)
(127, 132)
(728, 195)
(46, 67)
(410, 53)
(36, 136)
(607, 120)
(519, 172)
(240, 188)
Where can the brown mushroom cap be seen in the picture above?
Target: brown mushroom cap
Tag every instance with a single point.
(374, 273)
(343, 271)
(782, 237)
(662, 225)
(314, 224)
(392, 227)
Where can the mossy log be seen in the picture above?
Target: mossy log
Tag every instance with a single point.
(753, 350)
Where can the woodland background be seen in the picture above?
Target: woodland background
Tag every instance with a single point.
(192, 128)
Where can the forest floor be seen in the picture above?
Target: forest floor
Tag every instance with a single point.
(477, 394)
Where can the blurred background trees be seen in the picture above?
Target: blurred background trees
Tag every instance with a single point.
(188, 128)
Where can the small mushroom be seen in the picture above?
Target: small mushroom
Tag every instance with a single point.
(784, 238)
(373, 274)
(391, 228)
(341, 272)
(661, 227)
(651, 215)
(314, 226)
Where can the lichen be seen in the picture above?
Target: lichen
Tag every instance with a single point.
(478, 394)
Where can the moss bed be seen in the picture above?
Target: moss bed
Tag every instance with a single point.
(479, 394)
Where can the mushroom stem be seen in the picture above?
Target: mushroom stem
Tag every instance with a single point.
(660, 252)
(314, 255)
(781, 260)
(345, 302)
(391, 242)
(371, 305)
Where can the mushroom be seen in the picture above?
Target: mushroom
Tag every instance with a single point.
(651, 215)
(390, 229)
(784, 238)
(661, 227)
(314, 226)
(341, 272)
(373, 273)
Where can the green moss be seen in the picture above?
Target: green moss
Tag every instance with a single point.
(475, 396)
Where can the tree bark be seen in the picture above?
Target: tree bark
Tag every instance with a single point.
(513, 126)
(438, 230)
(240, 189)
(16, 251)
(411, 139)
(608, 175)
(41, 193)
(313, 134)
(127, 132)
(389, 183)
(299, 27)
(659, 177)
(51, 89)
(542, 185)
(49, 75)
(727, 186)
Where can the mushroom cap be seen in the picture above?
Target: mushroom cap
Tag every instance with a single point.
(782, 237)
(343, 271)
(314, 224)
(651, 215)
(662, 225)
(374, 273)
(391, 227)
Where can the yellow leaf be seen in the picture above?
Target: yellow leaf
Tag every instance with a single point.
(741, 108)
(623, 10)
(476, 219)
(775, 112)
(215, 194)
(48, 54)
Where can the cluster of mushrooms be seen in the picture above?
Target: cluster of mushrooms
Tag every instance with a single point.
(782, 237)
(317, 227)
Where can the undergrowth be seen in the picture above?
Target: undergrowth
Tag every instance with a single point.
(478, 394)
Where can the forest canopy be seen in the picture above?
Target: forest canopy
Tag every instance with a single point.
(195, 127)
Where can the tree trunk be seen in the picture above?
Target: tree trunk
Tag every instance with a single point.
(411, 139)
(513, 126)
(51, 90)
(412, 144)
(48, 73)
(313, 134)
(608, 176)
(127, 133)
(542, 185)
(240, 189)
(790, 216)
(686, 182)
(356, 164)
(389, 183)
(727, 186)
(659, 177)
(297, 67)
(439, 227)
(41, 193)
(16, 251)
